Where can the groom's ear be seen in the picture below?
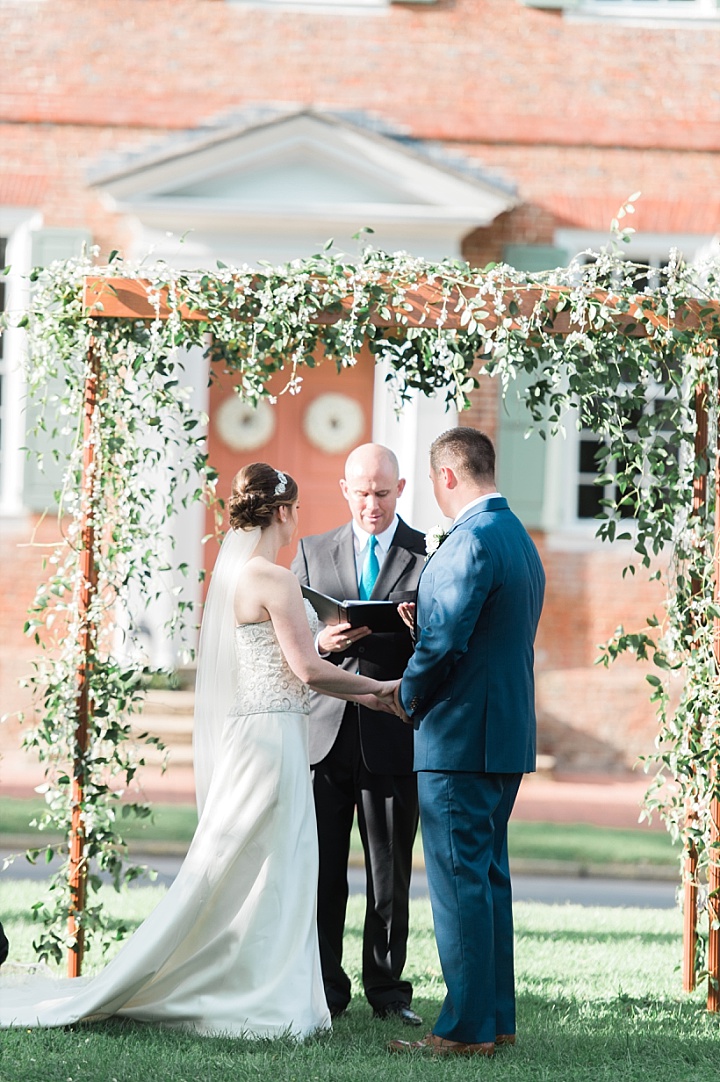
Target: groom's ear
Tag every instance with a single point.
(449, 477)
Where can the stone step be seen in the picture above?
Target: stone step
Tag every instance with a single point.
(177, 754)
(168, 702)
(172, 729)
(168, 715)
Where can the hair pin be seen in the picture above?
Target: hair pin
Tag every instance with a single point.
(282, 483)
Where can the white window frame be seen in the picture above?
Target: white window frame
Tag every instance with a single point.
(562, 475)
(648, 12)
(347, 7)
(16, 224)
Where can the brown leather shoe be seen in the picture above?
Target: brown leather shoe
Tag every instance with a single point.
(505, 1038)
(439, 1046)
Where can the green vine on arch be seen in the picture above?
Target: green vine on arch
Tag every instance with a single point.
(635, 391)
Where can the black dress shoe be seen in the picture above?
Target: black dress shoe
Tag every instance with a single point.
(337, 1010)
(399, 1012)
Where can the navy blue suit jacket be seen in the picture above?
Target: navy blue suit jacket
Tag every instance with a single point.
(469, 687)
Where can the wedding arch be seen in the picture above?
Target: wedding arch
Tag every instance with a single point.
(590, 346)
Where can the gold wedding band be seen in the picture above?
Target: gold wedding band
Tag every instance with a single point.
(348, 642)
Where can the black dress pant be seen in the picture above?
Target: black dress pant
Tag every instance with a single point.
(387, 811)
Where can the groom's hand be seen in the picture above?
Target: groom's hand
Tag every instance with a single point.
(336, 638)
(407, 613)
(399, 706)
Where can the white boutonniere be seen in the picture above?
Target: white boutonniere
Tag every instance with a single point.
(434, 539)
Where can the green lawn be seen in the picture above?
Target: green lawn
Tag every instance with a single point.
(599, 1000)
(587, 844)
(173, 824)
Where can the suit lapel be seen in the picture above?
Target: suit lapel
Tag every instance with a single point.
(342, 554)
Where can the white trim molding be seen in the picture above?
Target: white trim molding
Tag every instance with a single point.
(277, 188)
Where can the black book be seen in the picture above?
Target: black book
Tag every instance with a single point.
(377, 615)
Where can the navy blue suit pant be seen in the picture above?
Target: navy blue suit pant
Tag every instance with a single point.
(464, 819)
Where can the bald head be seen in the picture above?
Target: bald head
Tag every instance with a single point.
(371, 457)
(371, 486)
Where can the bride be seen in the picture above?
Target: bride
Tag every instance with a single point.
(232, 947)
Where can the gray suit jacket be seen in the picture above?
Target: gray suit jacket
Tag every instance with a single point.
(326, 562)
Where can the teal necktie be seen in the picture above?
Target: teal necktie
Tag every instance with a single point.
(370, 571)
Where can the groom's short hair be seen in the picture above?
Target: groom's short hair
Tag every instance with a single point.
(467, 450)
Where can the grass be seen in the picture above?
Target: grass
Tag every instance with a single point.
(588, 844)
(598, 1001)
(174, 824)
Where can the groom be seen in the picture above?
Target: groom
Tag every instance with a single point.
(468, 690)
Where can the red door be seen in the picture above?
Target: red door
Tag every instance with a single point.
(305, 434)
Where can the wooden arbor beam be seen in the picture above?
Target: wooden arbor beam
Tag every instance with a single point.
(425, 306)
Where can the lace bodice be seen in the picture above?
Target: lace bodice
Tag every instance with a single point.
(265, 680)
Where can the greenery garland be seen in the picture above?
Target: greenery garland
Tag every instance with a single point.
(635, 391)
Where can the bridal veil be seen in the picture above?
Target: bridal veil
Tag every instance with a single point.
(217, 667)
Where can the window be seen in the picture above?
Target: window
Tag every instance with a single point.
(652, 9)
(571, 498)
(590, 460)
(646, 274)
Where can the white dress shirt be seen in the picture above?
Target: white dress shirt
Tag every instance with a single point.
(478, 499)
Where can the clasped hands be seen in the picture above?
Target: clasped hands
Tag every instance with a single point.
(387, 700)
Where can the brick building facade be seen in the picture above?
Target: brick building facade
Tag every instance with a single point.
(484, 129)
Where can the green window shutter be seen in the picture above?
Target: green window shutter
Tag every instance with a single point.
(521, 461)
(43, 473)
(552, 5)
(534, 257)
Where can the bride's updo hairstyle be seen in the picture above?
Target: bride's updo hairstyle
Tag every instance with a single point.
(257, 492)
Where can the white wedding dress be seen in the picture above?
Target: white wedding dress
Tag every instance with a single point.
(232, 947)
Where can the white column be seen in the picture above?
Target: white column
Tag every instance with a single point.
(409, 434)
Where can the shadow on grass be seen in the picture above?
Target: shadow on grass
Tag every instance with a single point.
(610, 937)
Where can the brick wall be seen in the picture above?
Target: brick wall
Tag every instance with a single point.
(576, 115)
(487, 70)
(24, 545)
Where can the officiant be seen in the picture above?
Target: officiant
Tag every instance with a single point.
(363, 760)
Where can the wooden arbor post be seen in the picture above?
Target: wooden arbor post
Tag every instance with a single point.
(690, 864)
(77, 873)
(713, 905)
(690, 868)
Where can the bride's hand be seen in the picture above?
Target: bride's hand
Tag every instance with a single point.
(374, 702)
(387, 695)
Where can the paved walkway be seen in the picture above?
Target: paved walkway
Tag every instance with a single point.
(602, 799)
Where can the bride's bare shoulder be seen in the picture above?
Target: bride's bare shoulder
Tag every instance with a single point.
(262, 570)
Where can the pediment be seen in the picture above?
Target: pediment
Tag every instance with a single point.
(299, 177)
(302, 162)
